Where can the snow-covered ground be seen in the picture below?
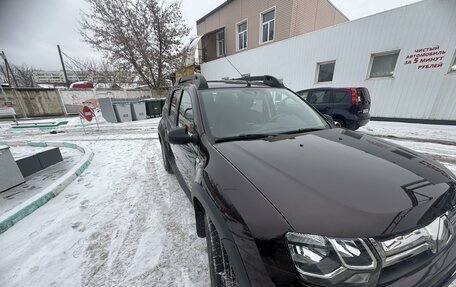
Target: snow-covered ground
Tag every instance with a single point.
(436, 141)
(36, 182)
(125, 221)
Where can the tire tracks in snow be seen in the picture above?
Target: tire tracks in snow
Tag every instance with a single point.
(183, 261)
(150, 229)
(110, 250)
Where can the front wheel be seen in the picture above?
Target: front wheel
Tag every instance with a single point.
(221, 272)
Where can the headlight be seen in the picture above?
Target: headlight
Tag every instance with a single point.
(330, 261)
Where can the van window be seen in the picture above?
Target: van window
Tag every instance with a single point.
(303, 94)
(320, 97)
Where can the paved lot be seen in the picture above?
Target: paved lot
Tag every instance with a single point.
(125, 221)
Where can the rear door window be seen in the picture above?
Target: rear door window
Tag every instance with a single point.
(320, 97)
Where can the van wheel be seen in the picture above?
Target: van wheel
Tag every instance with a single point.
(220, 270)
(339, 123)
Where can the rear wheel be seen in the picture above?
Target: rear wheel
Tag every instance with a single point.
(221, 272)
(166, 164)
(339, 123)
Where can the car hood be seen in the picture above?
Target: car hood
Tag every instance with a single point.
(342, 183)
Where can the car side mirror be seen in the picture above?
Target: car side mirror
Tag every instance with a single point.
(330, 120)
(180, 136)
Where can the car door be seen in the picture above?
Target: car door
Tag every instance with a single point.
(185, 154)
(321, 100)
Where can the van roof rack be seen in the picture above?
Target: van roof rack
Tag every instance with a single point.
(266, 79)
(197, 79)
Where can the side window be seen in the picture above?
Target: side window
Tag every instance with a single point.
(173, 103)
(339, 96)
(303, 94)
(320, 97)
(185, 118)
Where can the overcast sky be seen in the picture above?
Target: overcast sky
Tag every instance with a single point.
(31, 29)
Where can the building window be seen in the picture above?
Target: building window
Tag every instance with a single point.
(220, 40)
(267, 26)
(325, 71)
(242, 35)
(453, 66)
(383, 65)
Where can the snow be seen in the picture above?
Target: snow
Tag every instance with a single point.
(435, 141)
(36, 182)
(125, 221)
(409, 130)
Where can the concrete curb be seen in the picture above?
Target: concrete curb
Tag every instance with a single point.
(11, 217)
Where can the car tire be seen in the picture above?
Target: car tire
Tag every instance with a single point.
(166, 164)
(339, 123)
(220, 270)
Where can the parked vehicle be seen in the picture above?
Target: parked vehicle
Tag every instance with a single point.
(349, 107)
(285, 198)
(82, 85)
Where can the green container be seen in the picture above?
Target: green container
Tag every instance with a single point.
(153, 108)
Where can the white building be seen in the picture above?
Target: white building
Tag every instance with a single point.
(53, 77)
(405, 57)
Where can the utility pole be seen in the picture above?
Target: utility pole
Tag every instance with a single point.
(7, 66)
(63, 66)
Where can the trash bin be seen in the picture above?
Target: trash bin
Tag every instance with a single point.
(123, 112)
(138, 111)
(153, 107)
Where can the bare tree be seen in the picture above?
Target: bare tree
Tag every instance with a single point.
(99, 71)
(23, 76)
(146, 34)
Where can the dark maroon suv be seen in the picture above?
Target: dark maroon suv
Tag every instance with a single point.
(285, 198)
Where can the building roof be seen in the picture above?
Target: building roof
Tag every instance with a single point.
(213, 11)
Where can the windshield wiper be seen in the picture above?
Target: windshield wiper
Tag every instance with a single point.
(298, 131)
(244, 137)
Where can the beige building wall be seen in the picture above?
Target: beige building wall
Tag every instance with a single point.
(293, 17)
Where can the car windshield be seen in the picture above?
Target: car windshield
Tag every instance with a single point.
(249, 112)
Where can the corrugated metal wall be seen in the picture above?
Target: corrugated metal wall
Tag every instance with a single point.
(412, 93)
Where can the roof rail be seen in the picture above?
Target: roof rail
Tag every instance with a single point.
(197, 79)
(266, 79)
